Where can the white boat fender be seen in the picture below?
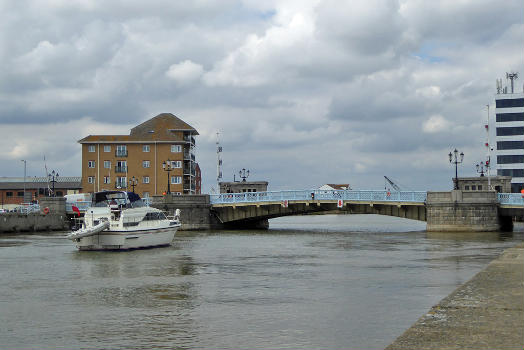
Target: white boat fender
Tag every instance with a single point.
(177, 214)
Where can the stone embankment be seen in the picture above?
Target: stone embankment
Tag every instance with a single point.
(487, 312)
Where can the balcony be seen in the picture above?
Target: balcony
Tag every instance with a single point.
(189, 139)
(188, 172)
(189, 156)
(121, 153)
(120, 169)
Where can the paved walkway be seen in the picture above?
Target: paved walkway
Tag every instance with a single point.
(487, 312)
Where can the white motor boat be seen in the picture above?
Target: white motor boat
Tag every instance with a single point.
(121, 220)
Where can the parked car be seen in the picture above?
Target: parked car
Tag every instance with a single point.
(4, 211)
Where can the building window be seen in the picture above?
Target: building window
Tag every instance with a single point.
(176, 148)
(511, 172)
(502, 145)
(145, 179)
(107, 164)
(107, 180)
(510, 102)
(9, 194)
(466, 188)
(510, 117)
(59, 193)
(510, 131)
(121, 182)
(473, 187)
(145, 194)
(145, 148)
(91, 148)
(91, 164)
(146, 164)
(20, 193)
(175, 180)
(107, 149)
(91, 179)
(176, 164)
(479, 187)
(510, 159)
(121, 151)
(121, 166)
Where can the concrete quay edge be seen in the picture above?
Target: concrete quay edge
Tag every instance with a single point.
(487, 312)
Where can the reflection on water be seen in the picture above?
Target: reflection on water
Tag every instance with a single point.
(325, 282)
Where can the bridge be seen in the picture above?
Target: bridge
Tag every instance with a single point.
(255, 208)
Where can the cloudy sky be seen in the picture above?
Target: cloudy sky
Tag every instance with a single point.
(302, 92)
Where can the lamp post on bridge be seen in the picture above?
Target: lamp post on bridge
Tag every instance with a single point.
(480, 168)
(243, 174)
(454, 159)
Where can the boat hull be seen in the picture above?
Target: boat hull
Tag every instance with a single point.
(124, 240)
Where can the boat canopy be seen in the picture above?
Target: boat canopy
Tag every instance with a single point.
(121, 197)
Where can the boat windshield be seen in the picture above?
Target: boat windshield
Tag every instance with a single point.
(120, 198)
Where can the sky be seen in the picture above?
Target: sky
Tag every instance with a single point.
(302, 93)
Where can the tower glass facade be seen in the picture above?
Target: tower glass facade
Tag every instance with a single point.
(509, 122)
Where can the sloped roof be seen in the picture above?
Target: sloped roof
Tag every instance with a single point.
(159, 128)
(14, 183)
(338, 186)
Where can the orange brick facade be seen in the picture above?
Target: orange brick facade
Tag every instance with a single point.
(109, 162)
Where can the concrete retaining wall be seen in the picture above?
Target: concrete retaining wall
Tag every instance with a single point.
(15, 222)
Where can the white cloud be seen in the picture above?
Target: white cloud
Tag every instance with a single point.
(310, 90)
(436, 123)
(185, 72)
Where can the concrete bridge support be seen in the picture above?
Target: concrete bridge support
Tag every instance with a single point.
(464, 211)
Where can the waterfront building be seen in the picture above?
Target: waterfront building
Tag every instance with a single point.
(243, 186)
(12, 189)
(509, 122)
(501, 184)
(155, 153)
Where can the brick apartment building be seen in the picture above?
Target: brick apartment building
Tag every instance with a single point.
(110, 162)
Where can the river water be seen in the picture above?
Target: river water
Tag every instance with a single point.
(316, 282)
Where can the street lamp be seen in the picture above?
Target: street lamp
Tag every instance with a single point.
(168, 166)
(133, 182)
(53, 176)
(480, 168)
(243, 174)
(25, 166)
(453, 159)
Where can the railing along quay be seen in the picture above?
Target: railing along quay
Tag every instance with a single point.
(304, 195)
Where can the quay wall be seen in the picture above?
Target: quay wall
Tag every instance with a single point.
(16, 222)
(484, 313)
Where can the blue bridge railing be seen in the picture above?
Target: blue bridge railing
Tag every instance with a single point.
(252, 197)
(511, 198)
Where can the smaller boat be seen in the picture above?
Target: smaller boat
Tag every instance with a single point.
(119, 220)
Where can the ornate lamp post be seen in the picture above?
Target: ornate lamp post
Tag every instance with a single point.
(480, 168)
(53, 176)
(453, 159)
(133, 182)
(243, 174)
(167, 166)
